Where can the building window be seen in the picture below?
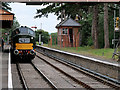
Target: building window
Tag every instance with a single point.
(59, 31)
(64, 31)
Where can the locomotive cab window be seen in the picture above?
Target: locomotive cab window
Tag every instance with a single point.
(27, 31)
(17, 31)
(24, 40)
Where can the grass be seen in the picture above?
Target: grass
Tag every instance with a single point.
(88, 51)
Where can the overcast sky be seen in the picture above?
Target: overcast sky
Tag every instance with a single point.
(25, 16)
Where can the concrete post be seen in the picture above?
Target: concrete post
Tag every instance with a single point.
(39, 38)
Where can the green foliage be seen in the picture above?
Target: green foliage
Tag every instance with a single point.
(105, 54)
(14, 26)
(111, 27)
(101, 31)
(84, 11)
(44, 36)
(6, 6)
(71, 9)
(54, 38)
(9, 30)
(90, 41)
(3, 34)
(86, 29)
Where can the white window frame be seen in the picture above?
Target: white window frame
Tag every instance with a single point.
(65, 30)
(60, 31)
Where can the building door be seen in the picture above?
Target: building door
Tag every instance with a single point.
(71, 36)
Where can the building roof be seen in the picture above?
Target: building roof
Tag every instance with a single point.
(6, 18)
(69, 22)
(3, 11)
(6, 15)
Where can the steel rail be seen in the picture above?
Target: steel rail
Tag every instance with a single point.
(68, 75)
(43, 75)
(24, 84)
(84, 71)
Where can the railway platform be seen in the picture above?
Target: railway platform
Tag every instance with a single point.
(4, 58)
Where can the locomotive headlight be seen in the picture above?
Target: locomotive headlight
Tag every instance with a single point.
(31, 37)
(16, 52)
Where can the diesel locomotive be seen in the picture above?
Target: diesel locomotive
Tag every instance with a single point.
(23, 43)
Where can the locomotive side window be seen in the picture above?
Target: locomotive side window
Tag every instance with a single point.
(30, 32)
(17, 31)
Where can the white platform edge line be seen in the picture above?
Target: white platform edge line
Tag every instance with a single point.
(10, 85)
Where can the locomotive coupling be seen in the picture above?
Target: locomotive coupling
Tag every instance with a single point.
(32, 52)
(16, 52)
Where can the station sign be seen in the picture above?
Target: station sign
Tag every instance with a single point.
(60, 0)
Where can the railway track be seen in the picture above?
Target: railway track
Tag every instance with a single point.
(78, 77)
(21, 76)
(24, 81)
(87, 86)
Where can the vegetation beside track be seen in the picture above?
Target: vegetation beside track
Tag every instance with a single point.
(105, 54)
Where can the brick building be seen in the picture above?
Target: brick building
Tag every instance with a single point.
(6, 18)
(68, 33)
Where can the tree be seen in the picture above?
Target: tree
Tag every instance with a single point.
(95, 26)
(44, 36)
(6, 6)
(71, 9)
(15, 25)
(9, 30)
(106, 31)
(88, 19)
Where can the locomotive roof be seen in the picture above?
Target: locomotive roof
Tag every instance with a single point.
(24, 31)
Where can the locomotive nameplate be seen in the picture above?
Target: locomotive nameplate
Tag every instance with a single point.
(24, 46)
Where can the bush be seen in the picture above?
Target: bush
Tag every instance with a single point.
(89, 41)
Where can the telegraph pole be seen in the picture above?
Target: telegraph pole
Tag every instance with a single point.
(114, 24)
(39, 37)
(40, 34)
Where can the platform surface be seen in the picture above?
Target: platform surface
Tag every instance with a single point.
(4, 65)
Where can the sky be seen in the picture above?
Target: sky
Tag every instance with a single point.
(25, 16)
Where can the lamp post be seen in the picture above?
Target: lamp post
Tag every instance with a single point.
(40, 37)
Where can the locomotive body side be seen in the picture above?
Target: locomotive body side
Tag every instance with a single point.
(23, 43)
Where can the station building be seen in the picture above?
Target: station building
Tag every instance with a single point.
(6, 21)
(68, 33)
(6, 18)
